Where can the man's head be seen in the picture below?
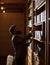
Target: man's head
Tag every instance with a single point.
(14, 30)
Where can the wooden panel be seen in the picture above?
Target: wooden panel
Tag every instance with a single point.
(13, 1)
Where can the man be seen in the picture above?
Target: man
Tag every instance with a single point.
(19, 45)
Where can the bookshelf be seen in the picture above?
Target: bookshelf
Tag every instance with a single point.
(29, 28)
(39, 32)
(38, 21)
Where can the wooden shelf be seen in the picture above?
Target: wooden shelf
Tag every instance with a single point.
(38, 24)
(39, 40)
(40, 5)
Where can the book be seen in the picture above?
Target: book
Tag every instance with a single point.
(43, 16)
(38, 18)
(30, 23)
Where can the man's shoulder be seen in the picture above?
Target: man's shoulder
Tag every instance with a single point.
(13, 37)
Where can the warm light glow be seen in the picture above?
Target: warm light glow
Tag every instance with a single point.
(2, 8)
(2, 3)
(4, 11)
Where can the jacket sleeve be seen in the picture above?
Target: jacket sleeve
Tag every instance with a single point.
(27, 36)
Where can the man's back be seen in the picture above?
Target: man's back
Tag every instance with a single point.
(20, 47)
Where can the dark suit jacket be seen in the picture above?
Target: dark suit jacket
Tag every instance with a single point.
(20, 46)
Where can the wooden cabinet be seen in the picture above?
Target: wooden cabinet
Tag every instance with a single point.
(38, 21)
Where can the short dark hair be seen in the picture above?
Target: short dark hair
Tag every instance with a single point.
(11, 29)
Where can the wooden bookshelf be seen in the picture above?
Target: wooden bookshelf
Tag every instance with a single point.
(40, 28)
(29, 28)
(39, 20)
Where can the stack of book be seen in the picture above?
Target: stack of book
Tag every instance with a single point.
(43, 16)
(40, 17)
(38, 35)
